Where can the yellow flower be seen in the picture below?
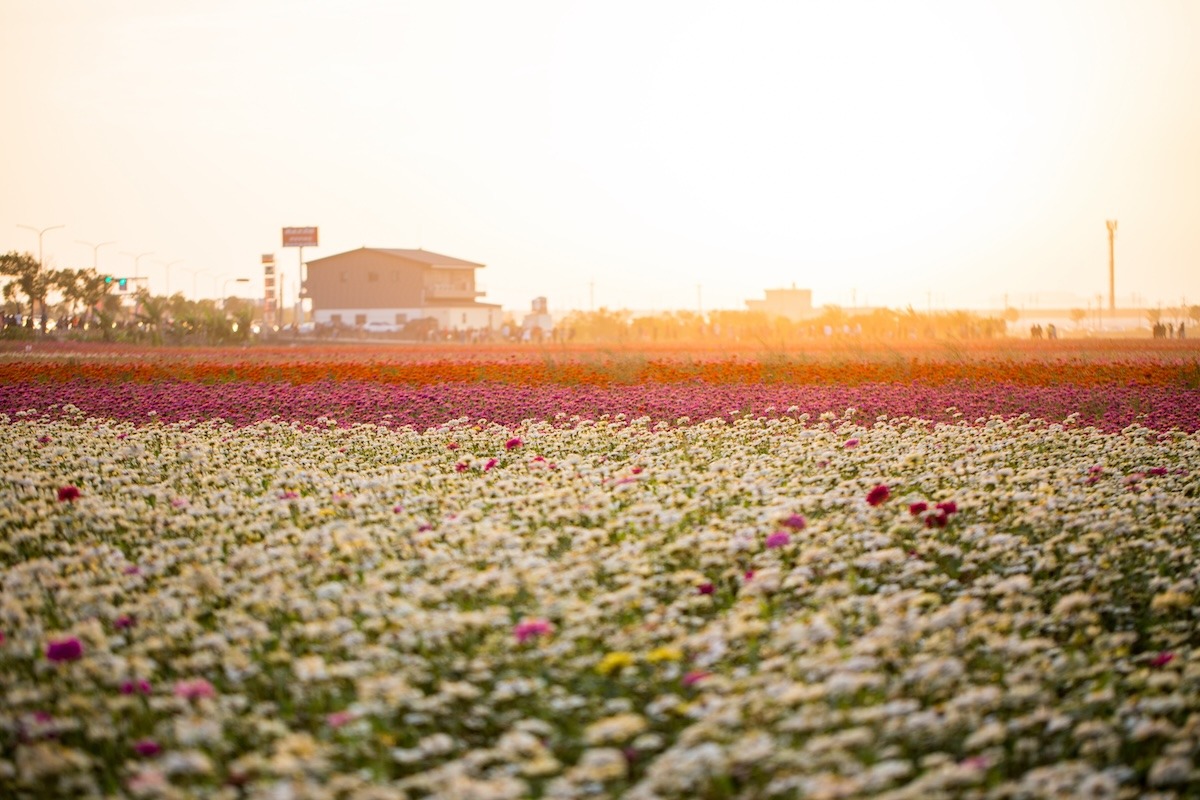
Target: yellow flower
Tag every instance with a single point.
(614, 662)
(664, 654)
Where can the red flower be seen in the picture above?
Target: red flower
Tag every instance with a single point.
(706, 588)
(948, 507)
(147, 748)
(512, 444)
(878, 494)
(917, 509)
(1162, 659)
(460, 467)
(68, 493)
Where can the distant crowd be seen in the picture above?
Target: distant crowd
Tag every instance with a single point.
(1169, 331)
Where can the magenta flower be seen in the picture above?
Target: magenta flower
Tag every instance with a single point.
(879, 494)
(452, 446)
(60, 650)
(460, 466)
(706, 588)
(491, 462)
(147, 748)
(748, 576)
(140, 686)
(778, 539)
(694, 677)
(513, 443)
(795, 522)
(850, 444)
(43, 439)
(1162, 659)
(194, 689)
(68, 494)
(124, 621)
(919, 508)
(528, 629)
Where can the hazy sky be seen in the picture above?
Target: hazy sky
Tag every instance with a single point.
(886, 152)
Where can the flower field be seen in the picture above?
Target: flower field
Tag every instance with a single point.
(507, 574)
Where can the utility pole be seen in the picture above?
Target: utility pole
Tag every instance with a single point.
(1112, 235)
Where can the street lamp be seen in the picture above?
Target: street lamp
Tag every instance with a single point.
(41, 266)
(168, 265)
(137, 258)
(95, 251)
(196, 273)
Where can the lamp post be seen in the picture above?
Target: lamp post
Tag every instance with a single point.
(1111, 224)
(95, 251)
(167, 265)
(41, 265)
(196, 273)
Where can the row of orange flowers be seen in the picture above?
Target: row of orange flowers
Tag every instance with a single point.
(613, 372)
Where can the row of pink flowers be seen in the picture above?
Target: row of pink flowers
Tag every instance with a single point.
(1110, 408)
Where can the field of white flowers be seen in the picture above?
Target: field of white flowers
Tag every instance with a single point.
(784, 607)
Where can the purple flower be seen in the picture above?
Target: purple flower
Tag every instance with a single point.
(795, 522)
(60, 650)
(147, 748)
(778, 539)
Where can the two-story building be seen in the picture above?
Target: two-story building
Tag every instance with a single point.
(375, 284)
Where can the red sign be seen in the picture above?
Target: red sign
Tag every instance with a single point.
(269, 258)
(300, 237)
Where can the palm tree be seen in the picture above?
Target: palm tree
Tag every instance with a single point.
(152, 311)
(31, 280)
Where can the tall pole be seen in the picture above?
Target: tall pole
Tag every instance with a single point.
(137, 257)
(95, 252)
(1112, 235)
(41, 232)
(167, 265)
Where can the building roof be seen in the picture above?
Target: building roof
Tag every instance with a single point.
(420, 256)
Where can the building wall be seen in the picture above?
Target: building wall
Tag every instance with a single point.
(448, 317)
(362, 279)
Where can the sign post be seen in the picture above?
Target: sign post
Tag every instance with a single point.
(300, 238)
(270, 302)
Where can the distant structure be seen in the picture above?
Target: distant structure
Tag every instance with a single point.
(793, 303)
(1112, 235)
(538, 322)
(396, 286)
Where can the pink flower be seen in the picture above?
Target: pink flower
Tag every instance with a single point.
(43, 439)
(694, 677)
(123, 621)
(67, 494)
(878, 494)
(706, 588)
(460, 466)
(491, 462)
(778, 539)
(398, 509)
(140, 686)
(919, 508)
(338, 718)
(60, 650)
(795, 522)
(452, 446)
(132, 569)
(528, 629)
(513, 443)
(1162, 659)
(147, 748)
(288, 495)
(194, 689)
(851, 444)
(748, 576)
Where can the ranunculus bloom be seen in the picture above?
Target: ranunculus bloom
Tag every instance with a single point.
(194, 689)
(778, 539)
(1162, 659)
(60, 650)
(878, 494)
(530, 628)
(512, 444)
(795, 522)
(68, 493)
(147, 748)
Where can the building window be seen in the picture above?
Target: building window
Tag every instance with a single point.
(372, 277)
(360, 319)
(336, 319)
